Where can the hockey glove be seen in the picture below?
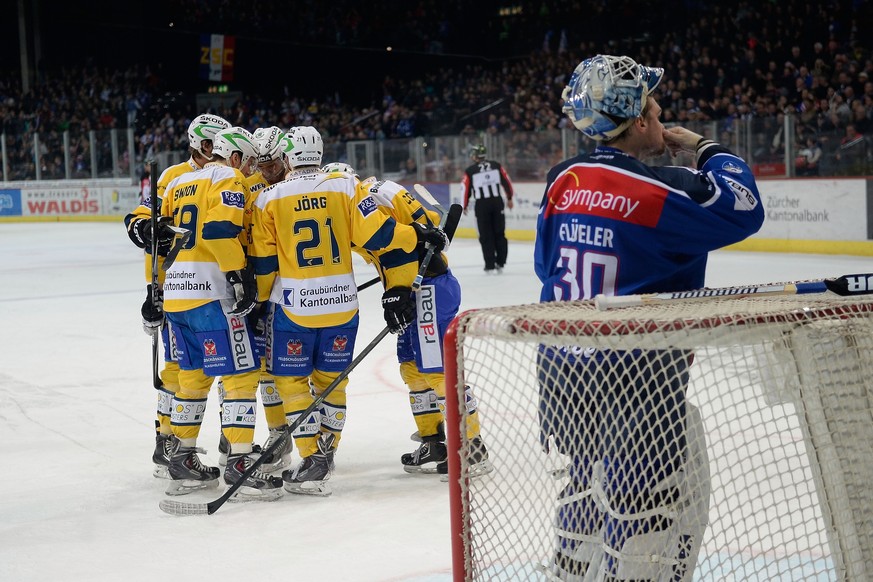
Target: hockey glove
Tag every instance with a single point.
(245, 290)
(153, 311)
(399, 306)
(431, 235)
(140, 232)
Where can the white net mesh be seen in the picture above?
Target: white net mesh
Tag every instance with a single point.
(631, 403)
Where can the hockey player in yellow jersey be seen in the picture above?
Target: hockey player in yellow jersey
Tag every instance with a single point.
(208, 292)
(303, 231)
(270, 170)
(419, 347)
(201, 131)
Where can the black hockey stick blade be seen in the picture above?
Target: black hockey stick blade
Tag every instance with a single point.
(182, 508)
(448, 223)
(850, 285)
(182, 235)
(454, 217)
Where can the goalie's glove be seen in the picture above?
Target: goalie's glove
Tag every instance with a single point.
(153, 311)
(245, 290)
(140, 232)
(430, 235)
(399, 306)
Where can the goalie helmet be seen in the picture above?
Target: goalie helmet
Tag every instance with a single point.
(606, 93)
(267, 140)
(477, 152)
(203, 128)
(339, 167)
(235, 139)
(303, 146)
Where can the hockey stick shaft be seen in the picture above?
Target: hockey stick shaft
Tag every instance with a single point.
(369, 283)
(183, 508)
(845, 286)
(153, 195)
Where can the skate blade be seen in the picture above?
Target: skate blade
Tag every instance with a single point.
(420, 470)
(161, 472)
(314, 488)
(246, 494)
(477, 470)
(186, 486)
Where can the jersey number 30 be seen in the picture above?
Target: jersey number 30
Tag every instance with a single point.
(596, 272)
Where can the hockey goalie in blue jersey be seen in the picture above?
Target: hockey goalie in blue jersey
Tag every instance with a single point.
(636, 503)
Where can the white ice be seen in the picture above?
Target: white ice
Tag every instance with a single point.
(77, 499)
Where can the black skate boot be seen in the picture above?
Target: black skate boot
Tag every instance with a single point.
(426, 459)
(259, 486)
(280, 458)
(477, 461)
(187, 473)
(161, 456)
(311, 475)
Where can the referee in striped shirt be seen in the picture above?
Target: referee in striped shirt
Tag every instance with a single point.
(482, 182)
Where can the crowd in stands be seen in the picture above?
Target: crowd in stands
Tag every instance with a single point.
(725, 62)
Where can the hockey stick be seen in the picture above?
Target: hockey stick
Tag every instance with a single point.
(153, 195)
(180, 239)
(448, 223)
(845, 286)
(174, 507)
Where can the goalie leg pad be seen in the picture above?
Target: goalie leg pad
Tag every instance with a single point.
(579, 521)
(658, 535)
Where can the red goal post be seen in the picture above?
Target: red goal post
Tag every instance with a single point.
(783, 385)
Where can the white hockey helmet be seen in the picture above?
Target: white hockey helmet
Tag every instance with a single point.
(606, 93)
(339, 167)
(267, 139)
(235, 139)
(303, 146)
(203, 128)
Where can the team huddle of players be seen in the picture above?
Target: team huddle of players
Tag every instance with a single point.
(260, 294)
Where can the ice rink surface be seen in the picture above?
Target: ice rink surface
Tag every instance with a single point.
(77, 498)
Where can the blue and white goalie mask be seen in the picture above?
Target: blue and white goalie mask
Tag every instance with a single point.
(606, 93)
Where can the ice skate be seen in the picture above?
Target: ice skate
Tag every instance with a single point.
(426, 458)
(260, 486)
(187, 473)
(478, 461)
(161, 456)
(311, 475)
(224, 448)
(281, 458)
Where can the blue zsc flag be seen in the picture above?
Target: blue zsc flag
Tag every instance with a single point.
(217, 52)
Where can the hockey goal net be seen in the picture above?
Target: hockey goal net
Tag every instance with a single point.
(737, 431)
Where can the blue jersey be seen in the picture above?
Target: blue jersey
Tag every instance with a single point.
(610, 224)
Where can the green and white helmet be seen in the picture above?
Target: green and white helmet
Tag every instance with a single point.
(339, 167)
(303, 146)
(235, 139)
(268, 141)
(203, 128)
